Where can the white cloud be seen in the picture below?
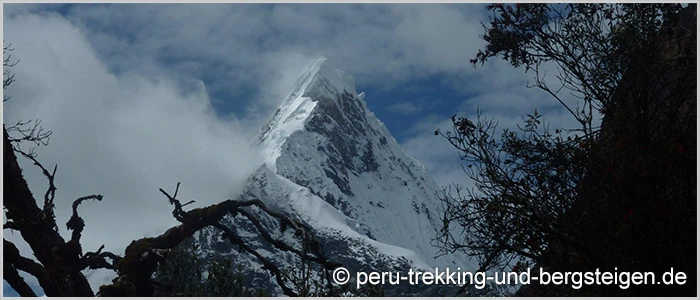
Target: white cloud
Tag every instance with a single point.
(123, 136)
(439, 157)
(437, 38)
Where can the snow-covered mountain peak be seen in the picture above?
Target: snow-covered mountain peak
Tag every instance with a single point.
(319, 81)
(320, 78)
(325, 139)
(330, 162)
(330, 81)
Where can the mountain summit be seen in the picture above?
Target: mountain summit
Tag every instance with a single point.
(317, 82)
(329, 161)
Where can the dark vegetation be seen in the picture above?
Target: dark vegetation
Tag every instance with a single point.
(620, 195)
(182, 274)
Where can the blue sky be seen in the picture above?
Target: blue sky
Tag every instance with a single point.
(143, 96)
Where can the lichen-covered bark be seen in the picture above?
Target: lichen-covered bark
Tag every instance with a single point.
(57, 269)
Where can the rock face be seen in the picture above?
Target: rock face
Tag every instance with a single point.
(331, 163)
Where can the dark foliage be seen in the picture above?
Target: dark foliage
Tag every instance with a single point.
(524, 183)
(622, 195)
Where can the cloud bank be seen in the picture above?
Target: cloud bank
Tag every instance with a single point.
(123, 136)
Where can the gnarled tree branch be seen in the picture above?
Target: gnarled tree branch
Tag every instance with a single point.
(13, 261)
(76, 223)
(142, 256)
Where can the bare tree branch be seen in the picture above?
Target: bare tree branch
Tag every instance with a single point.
(15, 261)
(38, 228)
(34, 133)
(96, 260)
(143, 256)
(76, 223)
(10, 225)
(49, 196)
(16, 281)
(7, 63)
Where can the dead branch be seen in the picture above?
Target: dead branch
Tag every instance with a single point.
(56, 259)
(7, 63)
(35, 133)
(96, 260)
(143, 256)
(49, 196)
(16, 281)
(76, 223)
(10, 225)
(15, 261)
